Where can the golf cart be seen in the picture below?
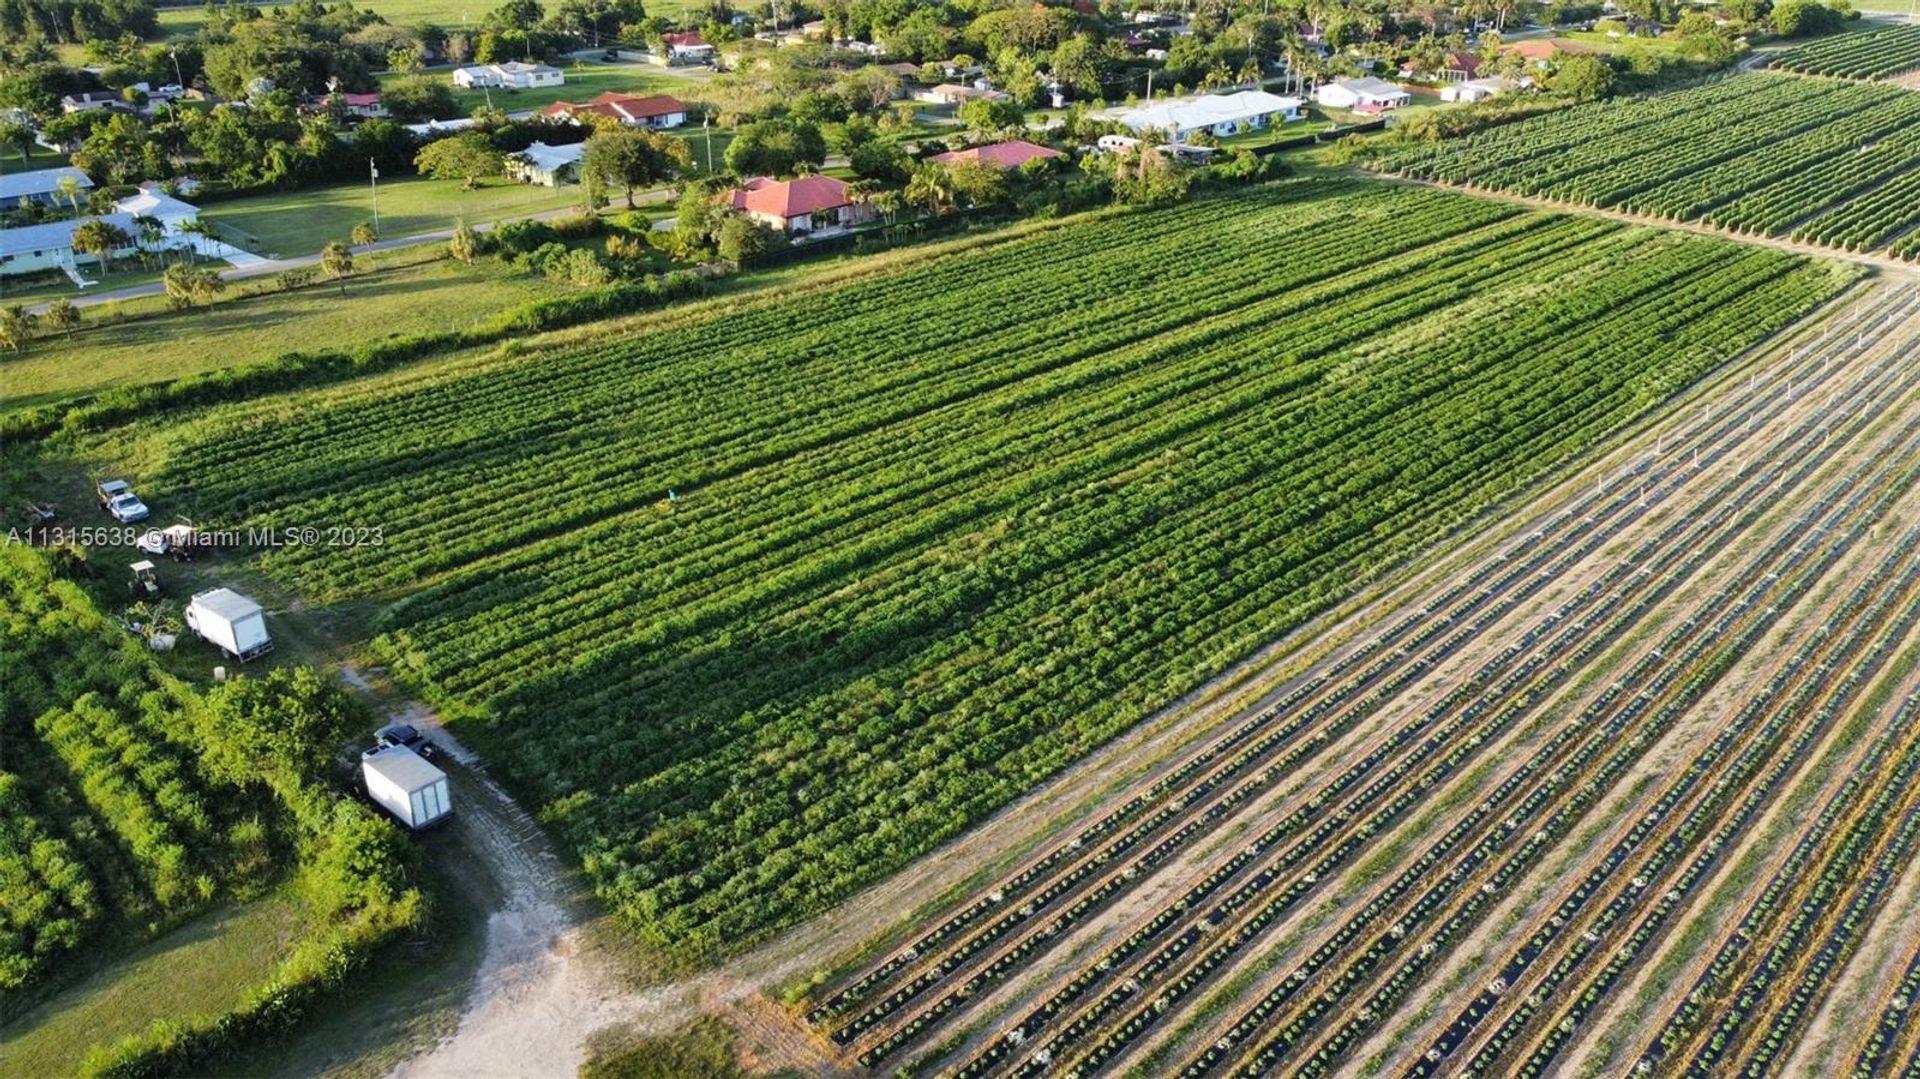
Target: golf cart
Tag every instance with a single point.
(174, 541)
(145, 583)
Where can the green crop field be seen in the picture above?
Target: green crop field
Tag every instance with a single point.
(759, 602)
(1876, 54)
(1821, 160)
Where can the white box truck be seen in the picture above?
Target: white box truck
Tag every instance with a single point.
(231, 621)
(406, 786)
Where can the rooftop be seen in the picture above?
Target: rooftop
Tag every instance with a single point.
(403, 768)
(791, 198)
(39, 182)
(1007, 155)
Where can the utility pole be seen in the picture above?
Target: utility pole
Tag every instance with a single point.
(373, 182)
(706, 128)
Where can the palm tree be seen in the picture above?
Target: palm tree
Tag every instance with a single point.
(62, 315)
(337, 259)
(149, 232)
(932, 187)
(889, 203)
(68, 188)
(101, 239)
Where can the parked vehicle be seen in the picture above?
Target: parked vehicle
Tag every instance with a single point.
(401, 734)
(174, 541)
(231, 622)
(145, 583)
(118, 499)
(405, 785)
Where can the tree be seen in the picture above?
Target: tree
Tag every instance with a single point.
(466, 158)
(633, 159)
(991, 117)
(101, 239)
(1583, 78)
(931, 187)
(187, 286)
(465, 242)
(418, 97)
(880, 159)
(775, 148)
(62, 315)
(978, 184)
(16, 137)
(364, 234)
(68, 188)
(740, 238)
(337, 260)
(16, 327)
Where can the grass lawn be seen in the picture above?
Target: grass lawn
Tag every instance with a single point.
(294, 223)
(451, 14)
(433, 296)
(202, 968)
(38, 157)
(585, 79)
(126, 273)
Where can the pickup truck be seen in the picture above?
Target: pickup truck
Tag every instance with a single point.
(118, 499)
(401, 734)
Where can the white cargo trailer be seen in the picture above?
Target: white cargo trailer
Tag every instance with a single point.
(231, 621)
(406, 786)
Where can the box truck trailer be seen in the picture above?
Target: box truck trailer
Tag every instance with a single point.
(405, 785)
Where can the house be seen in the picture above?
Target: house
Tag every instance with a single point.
(952, 93)
(548, 166)
(39, 248)
(633, 110)
(1002, 155)
(1361, 95)
(1456, 66)
(93, 101)
(864, 48)
(512, 75)
(40, 185)
(799, 206)
(1222, 115)
(1482, 89)
(365, 106)
(684, 48)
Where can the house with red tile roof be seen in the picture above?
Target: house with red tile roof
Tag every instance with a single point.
(633, 110)
(1006, 155)
(798, 206)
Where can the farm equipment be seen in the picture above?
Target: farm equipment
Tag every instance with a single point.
(177, 542)
(145, 583)
(40, 514)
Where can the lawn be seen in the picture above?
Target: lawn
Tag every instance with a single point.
(452, 14)
(202, 968)
(585, 79)
(294, 223)
(435, 296)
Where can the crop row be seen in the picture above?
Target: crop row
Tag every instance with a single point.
(999, 969)
(46, 895)
(1634, 705)
(1577, 787)
(1753, 153)
(1619, 883)
(1875, 54)
(1516, 580)
(1464, 738)
(1526, 576)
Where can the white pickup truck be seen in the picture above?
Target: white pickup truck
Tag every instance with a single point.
(118, 499)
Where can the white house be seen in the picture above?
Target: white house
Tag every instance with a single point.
(1221, 114)
(1480, 89)
(512, 75)
(177, 219)
(1361, 95)
(548, 166)
(41, 185)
